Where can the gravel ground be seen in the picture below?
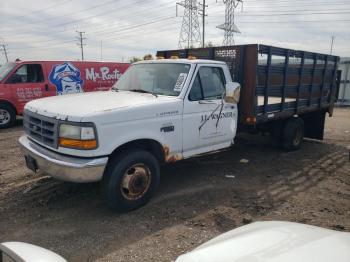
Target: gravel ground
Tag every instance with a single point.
(197, 200)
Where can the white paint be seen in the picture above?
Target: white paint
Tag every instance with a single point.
(274, 242)
(30, 253)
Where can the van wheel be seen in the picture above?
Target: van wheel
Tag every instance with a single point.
(293, 134)
(130, 180)
(7, 116)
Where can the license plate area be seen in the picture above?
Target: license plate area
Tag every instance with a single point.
(31, 163)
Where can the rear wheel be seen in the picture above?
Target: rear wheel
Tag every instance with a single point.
(7, 116)
(293, 134)
(130, 180)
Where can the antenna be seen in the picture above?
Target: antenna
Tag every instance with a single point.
(190, 31)
(229, 26)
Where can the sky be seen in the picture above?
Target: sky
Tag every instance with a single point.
(116, 30)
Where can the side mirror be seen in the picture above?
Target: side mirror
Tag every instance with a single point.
(233, 91)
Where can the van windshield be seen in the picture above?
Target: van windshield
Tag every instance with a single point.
(156, 78)
(5, 69)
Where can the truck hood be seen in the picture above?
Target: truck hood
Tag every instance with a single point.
(274, 242)
(74, 107)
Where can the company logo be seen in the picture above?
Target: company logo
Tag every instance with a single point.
(104, 74)
(205, 118)
(66, 78)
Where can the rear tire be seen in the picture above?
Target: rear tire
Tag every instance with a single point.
(293, 134)
(130, 180)
(7, 116)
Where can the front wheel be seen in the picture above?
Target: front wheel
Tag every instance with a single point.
(130, 180)
(7, 116)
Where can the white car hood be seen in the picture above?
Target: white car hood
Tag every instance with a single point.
(274, 242)
(76, 106)
(20, 251)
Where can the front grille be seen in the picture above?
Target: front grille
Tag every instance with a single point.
(41, 128)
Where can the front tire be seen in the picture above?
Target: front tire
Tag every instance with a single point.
(130, 180)
(7, 116)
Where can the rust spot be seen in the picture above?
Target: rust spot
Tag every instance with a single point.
(170, 158)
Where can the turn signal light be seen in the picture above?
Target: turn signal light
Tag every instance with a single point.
(251, 120)
(78, 144)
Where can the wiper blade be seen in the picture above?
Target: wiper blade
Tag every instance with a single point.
(139, 91)
(143, 91)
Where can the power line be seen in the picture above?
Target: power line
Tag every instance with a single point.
(81, 43)
(190, 35)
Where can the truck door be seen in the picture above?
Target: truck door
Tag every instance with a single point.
(27, 83)
(207, 119)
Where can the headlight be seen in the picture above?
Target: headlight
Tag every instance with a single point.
(79, 137)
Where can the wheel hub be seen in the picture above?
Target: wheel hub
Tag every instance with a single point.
(4, 116)
(136, 181)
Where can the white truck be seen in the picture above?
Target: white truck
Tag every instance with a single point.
(160, 111)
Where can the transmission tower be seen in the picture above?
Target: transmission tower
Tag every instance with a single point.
(229, 26)
(190, 35)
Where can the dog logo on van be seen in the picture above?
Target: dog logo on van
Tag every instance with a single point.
(66, 77)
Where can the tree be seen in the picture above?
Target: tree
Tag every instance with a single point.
(134, 59)
(148, 57)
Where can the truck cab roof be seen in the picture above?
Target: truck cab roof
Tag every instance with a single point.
(181, 61)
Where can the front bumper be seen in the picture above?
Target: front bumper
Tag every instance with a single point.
(63, 167)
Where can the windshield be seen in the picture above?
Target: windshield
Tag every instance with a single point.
(5, 69)
(156, 78)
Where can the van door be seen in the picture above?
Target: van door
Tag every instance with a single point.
(28, 82)
(207, 119)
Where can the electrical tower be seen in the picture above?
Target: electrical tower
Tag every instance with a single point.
(229, 26)
(81, 43)
(5, 51)
(190, 35)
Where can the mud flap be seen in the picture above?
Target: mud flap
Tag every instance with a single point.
(314, 125)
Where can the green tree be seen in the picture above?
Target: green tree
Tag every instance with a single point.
(134, 59)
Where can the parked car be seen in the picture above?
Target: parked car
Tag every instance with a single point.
(274, 241)
(166, 110)
(23, 81)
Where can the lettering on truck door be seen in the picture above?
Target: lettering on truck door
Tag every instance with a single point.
(28, 82)
(208, 120)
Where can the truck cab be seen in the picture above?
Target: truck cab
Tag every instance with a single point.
(160, 111)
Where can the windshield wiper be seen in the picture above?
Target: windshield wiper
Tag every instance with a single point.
(143, 91)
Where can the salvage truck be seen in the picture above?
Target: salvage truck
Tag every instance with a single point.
(183, 104)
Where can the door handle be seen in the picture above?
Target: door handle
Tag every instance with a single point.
(46, 87)
(207, 102)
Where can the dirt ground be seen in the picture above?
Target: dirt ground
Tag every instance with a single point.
(197, 199)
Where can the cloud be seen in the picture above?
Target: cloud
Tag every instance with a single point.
(46, 30)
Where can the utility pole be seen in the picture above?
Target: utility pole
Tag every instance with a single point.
(5, 51)
(203, 5)
(229, 26)
(81, 43)
(333, 37)
(101, 51)
(190, 35)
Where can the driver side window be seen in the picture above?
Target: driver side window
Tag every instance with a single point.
(209, 84)
(30, 73)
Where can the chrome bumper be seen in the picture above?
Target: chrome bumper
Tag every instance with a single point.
(63, 167)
